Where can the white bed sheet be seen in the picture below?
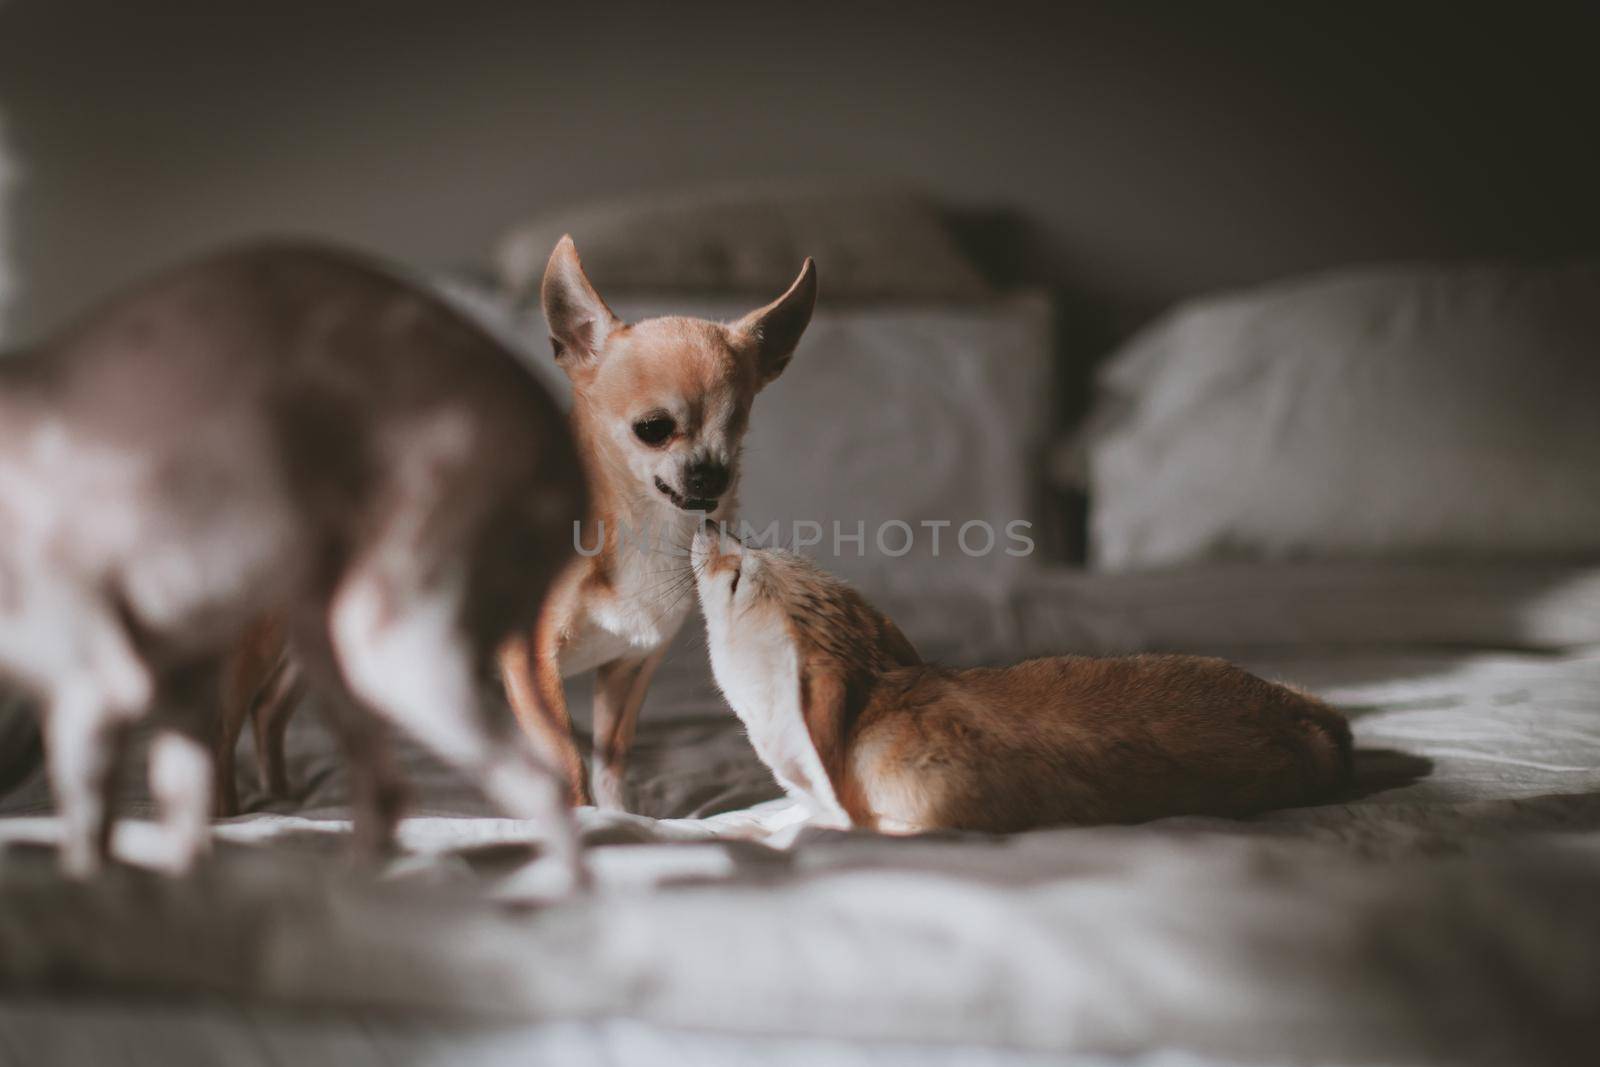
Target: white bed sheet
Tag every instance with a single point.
(1443, 914)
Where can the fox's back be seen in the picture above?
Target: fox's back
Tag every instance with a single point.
(1078, 739)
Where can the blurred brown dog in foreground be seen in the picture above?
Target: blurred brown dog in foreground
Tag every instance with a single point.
(283, 432)
(852, 723)
(660, 409)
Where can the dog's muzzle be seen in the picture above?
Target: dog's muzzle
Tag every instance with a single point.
(686, 503)
(703, 485)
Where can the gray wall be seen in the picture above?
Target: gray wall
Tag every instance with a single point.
(1152, 152)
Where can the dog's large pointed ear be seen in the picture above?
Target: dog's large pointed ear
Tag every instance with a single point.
(771, 333)
(579, 321)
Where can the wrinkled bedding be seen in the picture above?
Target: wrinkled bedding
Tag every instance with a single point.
(1443, 913)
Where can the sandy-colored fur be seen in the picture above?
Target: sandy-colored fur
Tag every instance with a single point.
(1075, 739)
(1065, 739)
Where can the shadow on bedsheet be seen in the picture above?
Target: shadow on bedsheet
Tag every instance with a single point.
(1378, 770)
(1321, 668)
(21, 747)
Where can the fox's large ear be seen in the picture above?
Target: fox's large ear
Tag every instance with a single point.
(772, 332)
(578, 319)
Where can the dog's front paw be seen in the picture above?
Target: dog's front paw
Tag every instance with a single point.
(80, 860)
(606, 786)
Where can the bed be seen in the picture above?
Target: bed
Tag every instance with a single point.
(1443, 912)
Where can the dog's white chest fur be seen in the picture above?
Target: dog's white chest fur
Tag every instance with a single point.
(758, 670)
(651, 592)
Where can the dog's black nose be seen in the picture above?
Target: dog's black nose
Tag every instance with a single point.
(705, 480)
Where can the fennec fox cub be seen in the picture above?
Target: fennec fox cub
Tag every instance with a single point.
(839, 706)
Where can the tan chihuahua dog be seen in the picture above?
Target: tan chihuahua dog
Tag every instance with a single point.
(851, 723)
(660, 409)
(282, 432)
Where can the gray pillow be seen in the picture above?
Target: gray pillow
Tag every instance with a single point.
(1404, 411)
(870, 243)
(930, 417)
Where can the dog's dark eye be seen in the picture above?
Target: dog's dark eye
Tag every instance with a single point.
(654, 429)
(733, 586)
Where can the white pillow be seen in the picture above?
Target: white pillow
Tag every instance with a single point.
(1407, 411)
(910, 414)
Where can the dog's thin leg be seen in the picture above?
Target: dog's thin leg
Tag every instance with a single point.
(236, 696)
(377, 793)
(85, 743)
(415, 666)
(270, 716)
(85, 723)
(530, 669)
(619, 691)
(181, 779)
(247, 675)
